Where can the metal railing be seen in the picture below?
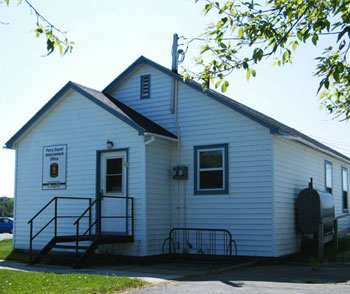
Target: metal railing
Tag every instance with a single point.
(200, 241)
(99, 217)
(53, 219)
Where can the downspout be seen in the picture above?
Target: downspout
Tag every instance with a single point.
(145, 231)
(150, 140)
(178, 150)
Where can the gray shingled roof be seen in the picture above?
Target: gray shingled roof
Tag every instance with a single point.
(139, 119)
(112, 105)
(274, 125)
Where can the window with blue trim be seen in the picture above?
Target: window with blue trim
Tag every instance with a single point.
(145, 90)
(345, 187)
(329, 176)
(211, 169)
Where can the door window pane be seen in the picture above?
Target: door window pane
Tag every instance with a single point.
(114, 166)
(114, 184)
(114, 175)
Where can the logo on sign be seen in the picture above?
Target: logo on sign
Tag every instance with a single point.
(54, 170)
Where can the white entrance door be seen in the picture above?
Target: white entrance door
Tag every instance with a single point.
(113, 184)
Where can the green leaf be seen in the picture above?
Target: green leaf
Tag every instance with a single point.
(343, 32)
(326, 84)
(205, 48)
(241, 33)
(249, 71)
(207, 8)
(218, 83)
(224, 86)
(300, 35)
(185, 77)
(245, 65)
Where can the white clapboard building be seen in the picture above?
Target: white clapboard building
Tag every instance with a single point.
(152, 152)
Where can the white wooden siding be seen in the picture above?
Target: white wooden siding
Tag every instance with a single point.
(294, 165)
(157, 107)
(158, 156)
(85, 128)
(247, 211)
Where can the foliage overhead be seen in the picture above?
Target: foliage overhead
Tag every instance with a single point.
(251, 31)
(55, 37)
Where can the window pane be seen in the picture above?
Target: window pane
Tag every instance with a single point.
(210, 159)
(345, 179)
(345, 200)
(211, 179)
(114, 184)
(114, 166)
(328, 175)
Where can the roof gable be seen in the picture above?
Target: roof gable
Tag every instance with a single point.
(110, 104)
(210, 93)
(274, 125)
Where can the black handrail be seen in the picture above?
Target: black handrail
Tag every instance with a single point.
(43, 228)
(77, 223)
(99, 218)
(84, 212)
(54, 218)
(41, 210)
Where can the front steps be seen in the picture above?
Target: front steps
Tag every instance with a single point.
(83, 252)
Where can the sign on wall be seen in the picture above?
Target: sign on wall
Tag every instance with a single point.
(54, 167)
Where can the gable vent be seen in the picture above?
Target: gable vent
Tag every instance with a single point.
(145, 86)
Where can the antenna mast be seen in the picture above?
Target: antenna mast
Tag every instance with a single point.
(174, 54)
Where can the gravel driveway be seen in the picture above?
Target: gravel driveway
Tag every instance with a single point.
(261, 280)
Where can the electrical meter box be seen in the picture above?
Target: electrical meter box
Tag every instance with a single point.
(180, 172)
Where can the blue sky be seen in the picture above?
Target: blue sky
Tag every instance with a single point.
(109, 36)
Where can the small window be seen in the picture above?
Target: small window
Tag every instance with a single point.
(329, 176)
(345, 187)
(145, 86)
(211, 169)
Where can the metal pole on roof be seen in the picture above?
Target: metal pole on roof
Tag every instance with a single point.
(174, 54)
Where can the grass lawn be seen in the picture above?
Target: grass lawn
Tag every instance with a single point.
(15, 282)
(7, 252)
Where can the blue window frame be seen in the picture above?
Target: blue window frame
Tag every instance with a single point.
(345, 188)
(145, 87)
(211, 169)
(328, 176)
